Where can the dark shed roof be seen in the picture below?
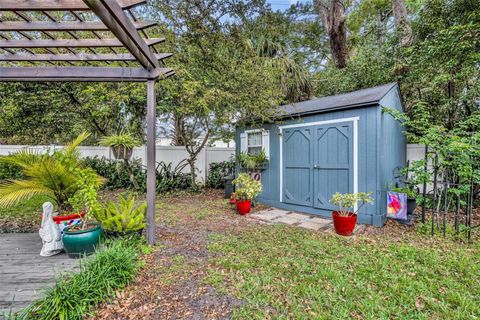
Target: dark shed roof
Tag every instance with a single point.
(352, 99)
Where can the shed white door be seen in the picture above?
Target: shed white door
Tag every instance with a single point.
(317, 162)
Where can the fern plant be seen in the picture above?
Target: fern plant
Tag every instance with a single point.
(59, 176)
(124, 216)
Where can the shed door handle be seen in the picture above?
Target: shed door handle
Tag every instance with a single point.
(316, 166)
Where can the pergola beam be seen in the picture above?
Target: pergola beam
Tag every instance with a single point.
(112, 15)
(74, 58)
(81, 74)
(70, 43)
(65, 26)
(57, 5)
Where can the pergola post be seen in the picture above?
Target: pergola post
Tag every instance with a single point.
(151, 163)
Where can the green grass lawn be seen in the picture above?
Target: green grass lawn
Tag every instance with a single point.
(288, 273)
(23, 217)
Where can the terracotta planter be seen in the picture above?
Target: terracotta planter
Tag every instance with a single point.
(344, 225)
(243, 206)
(121, 153)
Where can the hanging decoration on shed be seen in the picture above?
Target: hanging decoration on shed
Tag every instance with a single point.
(397, 205)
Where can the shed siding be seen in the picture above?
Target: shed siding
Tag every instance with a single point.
(367, 158)
(392, 142)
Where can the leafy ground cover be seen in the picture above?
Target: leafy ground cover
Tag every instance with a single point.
(210, 263)
(74, 295)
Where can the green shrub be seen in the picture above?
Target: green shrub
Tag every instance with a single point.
(169, 178)
(122, 216)
(218, 171)
(9, 171)
(74, 295)
(116, 173)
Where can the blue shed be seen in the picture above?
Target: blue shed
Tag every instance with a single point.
(341, 143)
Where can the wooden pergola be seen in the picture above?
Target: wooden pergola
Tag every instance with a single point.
(84, 40)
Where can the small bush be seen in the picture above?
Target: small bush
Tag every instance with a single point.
(74, 296)
(10, 171)
(217, 172)
(169, 178)
(116, 173)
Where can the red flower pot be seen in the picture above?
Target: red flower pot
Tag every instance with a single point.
(68, 220)
(243, 206)
(344, 225)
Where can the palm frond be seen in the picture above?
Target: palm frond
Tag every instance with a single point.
(23, 158)
(71, 148)
(13, 191)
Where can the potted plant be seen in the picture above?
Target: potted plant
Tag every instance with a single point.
(411, 198)
(56, 175)
(122, 147)
(253, 162)
(345, 218)
(123, 218)
(247, 189)
(82, 239)
(121, 144)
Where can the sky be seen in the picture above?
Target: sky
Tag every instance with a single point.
(284, 4)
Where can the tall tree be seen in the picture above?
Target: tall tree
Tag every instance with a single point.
(332, 14)
(400, 19)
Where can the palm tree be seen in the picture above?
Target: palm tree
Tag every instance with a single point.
(55, 176)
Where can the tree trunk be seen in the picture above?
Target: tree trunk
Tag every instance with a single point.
(402, 26)
(332, 14)
(178, 130)
(191, 162)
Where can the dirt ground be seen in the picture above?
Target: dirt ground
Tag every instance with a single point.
(170, 285)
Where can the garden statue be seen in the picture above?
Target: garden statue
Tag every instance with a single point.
(49, 232)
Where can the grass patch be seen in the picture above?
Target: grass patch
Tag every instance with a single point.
(74, 296)
(23, 217)
(284, 273)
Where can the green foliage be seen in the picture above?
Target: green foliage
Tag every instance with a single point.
(275, 270)
(246, 187)
(218, 171)
(346, 202)
(9, 171)
(124, 216)
(170, 178)
(59, 176)
(252, 161)
(74, 296)
(124, 140)
(409, 192)
(115, 173)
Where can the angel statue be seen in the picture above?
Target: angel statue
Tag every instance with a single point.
(50, 233)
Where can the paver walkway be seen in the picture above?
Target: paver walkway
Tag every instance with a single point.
(24, 274)
(303, 220)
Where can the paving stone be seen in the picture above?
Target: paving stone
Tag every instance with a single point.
(269, 215)
(288, 219)
(321, 221)
(311, 225)
(299, 216)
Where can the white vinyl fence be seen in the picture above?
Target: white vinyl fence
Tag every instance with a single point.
(176, 154)
(166, 154)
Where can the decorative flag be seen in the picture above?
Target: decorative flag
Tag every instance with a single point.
(396, 205)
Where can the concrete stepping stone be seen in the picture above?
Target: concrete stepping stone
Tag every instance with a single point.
(269, 215)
